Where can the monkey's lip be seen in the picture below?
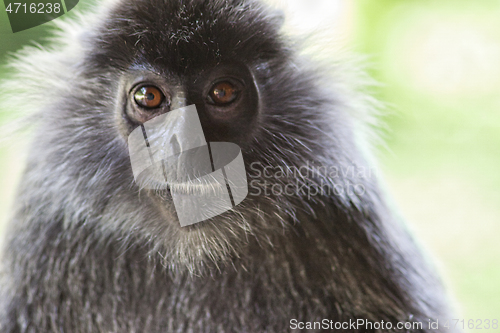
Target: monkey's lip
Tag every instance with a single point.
(190, 188)
(196, 188)
(192, 203)
(197, 184)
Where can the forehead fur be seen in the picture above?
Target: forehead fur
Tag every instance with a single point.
(183, 35)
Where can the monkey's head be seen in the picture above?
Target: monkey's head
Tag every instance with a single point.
(143, 58)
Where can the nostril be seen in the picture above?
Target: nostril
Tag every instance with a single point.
(175, 145)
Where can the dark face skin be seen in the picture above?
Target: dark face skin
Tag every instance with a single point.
(225, 96)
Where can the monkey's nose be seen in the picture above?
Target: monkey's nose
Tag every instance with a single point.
(175, 146)
(179, 99)
(163, 137)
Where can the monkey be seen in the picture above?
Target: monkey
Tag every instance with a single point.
(315, 241)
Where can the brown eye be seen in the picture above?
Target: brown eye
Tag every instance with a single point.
(148, 97)
(223, 93)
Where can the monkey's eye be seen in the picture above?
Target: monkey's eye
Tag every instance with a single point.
(223, 93)
(149, 97)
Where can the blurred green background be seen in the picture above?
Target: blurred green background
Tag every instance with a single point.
(438, 64)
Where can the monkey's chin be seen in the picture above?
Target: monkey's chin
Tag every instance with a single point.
(196, 247)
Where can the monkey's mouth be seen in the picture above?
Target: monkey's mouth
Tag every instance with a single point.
(164, 190)
(195, 200)
(163, 195)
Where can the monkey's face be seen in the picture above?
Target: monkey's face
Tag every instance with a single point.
(228, 58)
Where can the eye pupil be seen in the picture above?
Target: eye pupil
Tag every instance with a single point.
(223, 93)
(148, 97)
(220, 93)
